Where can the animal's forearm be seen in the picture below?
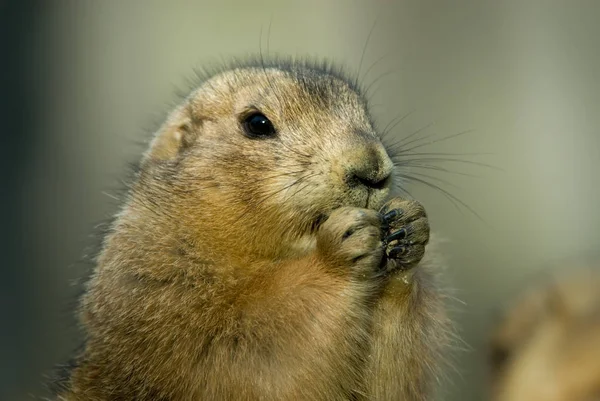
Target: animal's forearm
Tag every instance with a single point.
(409, 327)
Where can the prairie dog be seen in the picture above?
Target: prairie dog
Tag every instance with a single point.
(547, 347)
(261, 255)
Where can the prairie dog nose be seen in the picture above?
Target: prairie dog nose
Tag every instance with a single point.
(370, 166)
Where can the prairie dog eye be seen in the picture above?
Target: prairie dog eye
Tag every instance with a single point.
(256, 125)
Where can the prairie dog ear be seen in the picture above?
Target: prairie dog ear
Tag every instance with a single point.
(176, 134)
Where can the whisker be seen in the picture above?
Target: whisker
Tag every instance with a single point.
(263, 199)
(186, 189)
(431, 177)
(296, 151)
(443, 154)
(448, 194)
(393, 123)
(401, 142)
(111, 196)
(269, 33)
(437, 168)
(300, 164)
(304, 186)
(262, 63)
(438, 140)
(399, 162)
(375, 64)
(364, 51)
(247, 209)
(452, 201)
(287, 173)
(270, 195)
(404, 190)
(379, 78)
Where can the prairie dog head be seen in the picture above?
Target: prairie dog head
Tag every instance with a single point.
(265, 153)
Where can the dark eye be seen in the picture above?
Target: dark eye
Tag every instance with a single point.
(258, 126)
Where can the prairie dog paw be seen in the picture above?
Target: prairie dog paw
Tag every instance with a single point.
(352, 237)
(406, 229)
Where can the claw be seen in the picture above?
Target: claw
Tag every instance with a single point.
(397, 251)
(398, 235)
(391, 215)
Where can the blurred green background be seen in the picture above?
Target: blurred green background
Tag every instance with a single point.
(91, 79)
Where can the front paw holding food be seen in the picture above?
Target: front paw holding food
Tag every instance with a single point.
(406, 233)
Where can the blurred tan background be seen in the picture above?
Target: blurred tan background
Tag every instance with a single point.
(524, 74)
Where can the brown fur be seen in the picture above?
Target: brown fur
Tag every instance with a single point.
(249, 269)
(548, 346)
